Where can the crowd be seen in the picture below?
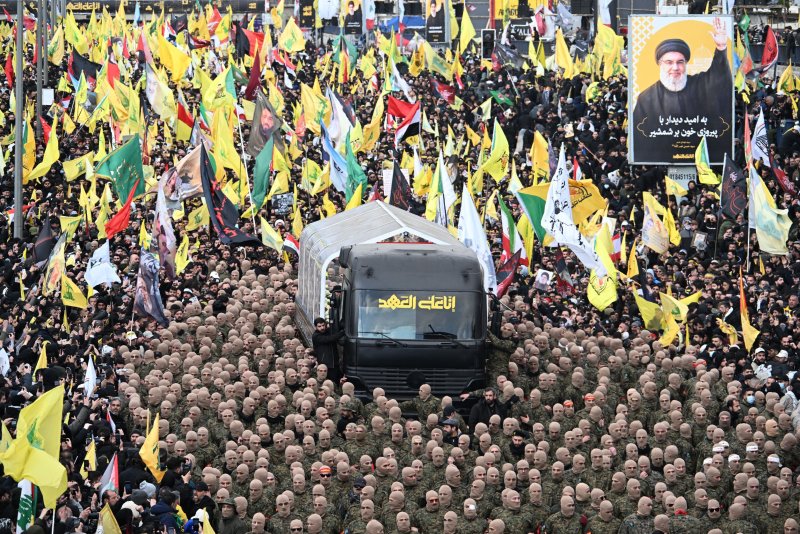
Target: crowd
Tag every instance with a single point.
(589, 424)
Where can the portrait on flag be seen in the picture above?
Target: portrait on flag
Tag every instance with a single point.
(680, 88)
(436, 21)
(543, 279)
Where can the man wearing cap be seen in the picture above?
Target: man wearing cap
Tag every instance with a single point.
(676, 96)
(451, 432)
(230, 523)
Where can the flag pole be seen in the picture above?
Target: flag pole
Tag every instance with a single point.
(246, 175)
(18, 219)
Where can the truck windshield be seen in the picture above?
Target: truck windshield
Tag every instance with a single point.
(415, 315)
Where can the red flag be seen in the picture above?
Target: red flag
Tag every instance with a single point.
(770, 54)
(8, 16)
(255, 78)
(9, 68)
(122, 218)
(506, 273)
(45, 129)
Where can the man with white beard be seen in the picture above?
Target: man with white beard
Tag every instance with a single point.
(678, 102)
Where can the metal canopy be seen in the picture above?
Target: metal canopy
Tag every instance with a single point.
(372, 222)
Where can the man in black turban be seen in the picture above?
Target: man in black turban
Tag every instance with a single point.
(671, 116)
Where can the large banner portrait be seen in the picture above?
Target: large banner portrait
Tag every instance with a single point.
(353, 17)
(436, 21)
(680, 88)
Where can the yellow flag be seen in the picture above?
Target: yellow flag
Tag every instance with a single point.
(602, 291)
(540, 157)
(5, 438)
(291, 39)
(733, 336)
(69, 225)
(41, 363)
(355, 200)
(497, 162)
(674, 188)
(51, 155)
(197, 218)
(297, 223)
(671, 330)
(107, 519)
(749, 332)
(563, 57)
(270, 237)
(71, 294)
(173, 58)
(467, 32)
(182, 256)
(651, 313)
(704, 172)
(34, 454)
(149, 451)
(91, 459)
(76, 167)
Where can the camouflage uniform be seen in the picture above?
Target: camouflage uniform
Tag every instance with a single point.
(279, 525)
(684, 524)
(356, 526)
(773, 523)
(471, 526)
(423, 408)
(499, 356)
(536, 514)
(514, 520)
(596, 525)
(740, 526)
(636, 524)
(559, 524)
(427, 522)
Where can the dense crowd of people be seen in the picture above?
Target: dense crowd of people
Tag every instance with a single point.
(588, 424)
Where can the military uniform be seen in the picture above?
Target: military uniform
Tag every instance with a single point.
(560, 524)
(427, 522)
(636, 524)
(536, 514)
(471, 526)
(684, 524)
(280, 525)
(423, 408)
(596, 525)
(740, 526)
(514, 520)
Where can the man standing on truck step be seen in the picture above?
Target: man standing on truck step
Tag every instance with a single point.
(501, 349)
(423, 404)
(326, 347)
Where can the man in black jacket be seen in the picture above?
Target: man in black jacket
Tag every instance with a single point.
(326, 347)
(486, 408)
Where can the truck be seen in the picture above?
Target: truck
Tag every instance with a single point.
(410, 304)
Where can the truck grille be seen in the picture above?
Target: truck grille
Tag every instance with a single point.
(396, 381)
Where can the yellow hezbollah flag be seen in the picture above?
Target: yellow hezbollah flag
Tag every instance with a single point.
(704, 172)
(197, 218)
(71, 294)
(33, 455)
(291, 39)
(41, 363)
(563, 57)
(173, 58)
(497, 162)
(149, 451)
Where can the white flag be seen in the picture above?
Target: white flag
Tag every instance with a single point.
(5, 364)
(759, 144)
(100, 269)
(471, 233)
(27, 506)
(557, 220)
(90, 379)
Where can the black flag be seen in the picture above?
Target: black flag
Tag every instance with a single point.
(733, 199)
(223, 213)
(79, 64)
(44, 242)
(400, 195)
(147, 301)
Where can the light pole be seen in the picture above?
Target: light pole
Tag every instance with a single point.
(18, 119)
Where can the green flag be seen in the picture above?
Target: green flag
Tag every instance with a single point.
(124, 168)
(355, 174)
(533, 206)
(261, 173)
(501, 98)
